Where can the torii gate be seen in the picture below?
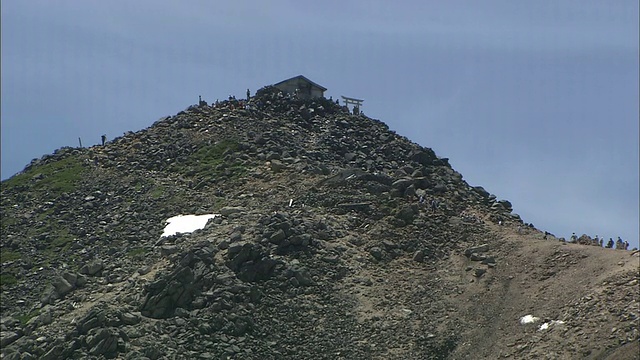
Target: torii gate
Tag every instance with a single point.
(357, 103)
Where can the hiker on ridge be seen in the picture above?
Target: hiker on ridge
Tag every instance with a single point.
(574, 238)
(609, 244)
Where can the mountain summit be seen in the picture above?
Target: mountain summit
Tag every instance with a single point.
(328, 237)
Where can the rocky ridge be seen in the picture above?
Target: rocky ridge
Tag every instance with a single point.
(328, 247)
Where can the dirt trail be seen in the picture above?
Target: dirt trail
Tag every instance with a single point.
(548, 279)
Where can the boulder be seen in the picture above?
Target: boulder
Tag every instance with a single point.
(402, 184)
(92, 268)
(476, 249)
(8, 337)
(376, 252)
(229, 210)
(103, 342)
(479, 272)
(277, 237)
(481, 191)
(62, 286)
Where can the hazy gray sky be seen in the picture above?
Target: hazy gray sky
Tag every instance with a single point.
(536, 101)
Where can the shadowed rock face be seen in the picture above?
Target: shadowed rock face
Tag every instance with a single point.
(338, 239)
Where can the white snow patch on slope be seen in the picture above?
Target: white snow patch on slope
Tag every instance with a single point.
(528, 319)
(546, 325)
(186, 223)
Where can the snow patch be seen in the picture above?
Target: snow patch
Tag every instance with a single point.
(528, 319)
(186, 223)
(546, 325)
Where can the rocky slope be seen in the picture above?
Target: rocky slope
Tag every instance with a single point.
(328, 247)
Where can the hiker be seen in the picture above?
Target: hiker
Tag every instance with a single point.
(248, 94)
(104, 139)
(434, 205)
(609, 244)
(626, 245)
(545, 235)
(574, 238)
(601, 241)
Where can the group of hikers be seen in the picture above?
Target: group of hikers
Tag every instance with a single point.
(471, 217)
(597, 241)
(429, 204)
(255, 103)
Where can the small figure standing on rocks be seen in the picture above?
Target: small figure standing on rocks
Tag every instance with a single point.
(248, 94)
(609, 244)
(574, 238)
(104, 139)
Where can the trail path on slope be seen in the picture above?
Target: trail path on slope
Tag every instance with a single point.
(578, 284)
(551, 280)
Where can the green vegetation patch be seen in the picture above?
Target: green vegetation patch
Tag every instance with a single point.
(157, 192)
(57, 176)
(137, 252)
(7, 280)
(61, 237)
(24, 319)
(208, 161)
(8, 255)
(8, 221)
(212, 154)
